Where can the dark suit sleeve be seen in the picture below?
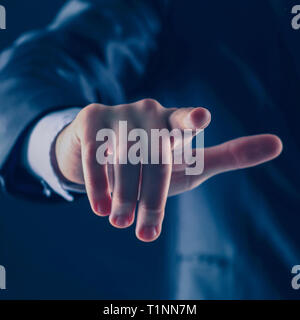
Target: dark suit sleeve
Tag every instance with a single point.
(94, 51)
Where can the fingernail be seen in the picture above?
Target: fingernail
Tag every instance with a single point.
(121, 221)
(200, 117)
(104, 208)
(148, 233)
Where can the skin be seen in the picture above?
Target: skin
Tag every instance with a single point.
(147, 187)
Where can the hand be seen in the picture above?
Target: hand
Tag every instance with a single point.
(76, 148)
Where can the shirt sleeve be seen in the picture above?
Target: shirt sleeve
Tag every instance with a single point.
(37, 155)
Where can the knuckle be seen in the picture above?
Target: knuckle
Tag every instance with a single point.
(154, 212)
(123, 199)
(149, 104)
(89, 112)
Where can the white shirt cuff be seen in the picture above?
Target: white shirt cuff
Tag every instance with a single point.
(37, 152)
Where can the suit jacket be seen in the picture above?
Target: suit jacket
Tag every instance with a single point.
(235, 236)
